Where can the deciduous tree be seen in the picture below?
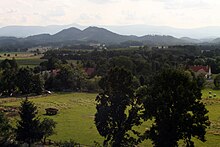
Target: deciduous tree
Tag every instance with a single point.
(47, 127)
(173, 101)
(217, 81)
(117, 109)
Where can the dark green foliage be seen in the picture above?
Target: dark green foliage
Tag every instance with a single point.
(201, 80)
(47, 127)
(217, 81)
(52, 63)
(123, 62)
(7, 82)
(24, 80)
(28, 82)
(67, 78)
(38, 84)
(9, 64)
(5, 129)
(28, 127)
(14, 80)
(117, 109)
(173, 102)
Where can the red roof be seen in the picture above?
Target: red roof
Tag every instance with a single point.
(197, 68)
(89, 71)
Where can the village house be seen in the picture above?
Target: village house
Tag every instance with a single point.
(201, 70)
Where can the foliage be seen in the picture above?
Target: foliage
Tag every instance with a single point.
(28, 127)
(67, 78)
(173, 102)
(31, 83)
(70, 143)
(7, 81)
(25, 75)
(5, 129)
(217, 81)
(38, 84)
(52, 63)
(47, 127)
(201, 80)
(123, 62)
(91, 85)
(111, 118)
(9, 64)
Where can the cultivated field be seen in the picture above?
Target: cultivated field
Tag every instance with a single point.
(76, 117)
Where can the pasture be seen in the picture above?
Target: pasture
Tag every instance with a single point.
(76, 117)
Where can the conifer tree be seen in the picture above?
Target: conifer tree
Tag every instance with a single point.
(28, 128)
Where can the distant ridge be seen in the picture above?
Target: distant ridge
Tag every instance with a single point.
(73, 35)
(102, 35)
(203, 33)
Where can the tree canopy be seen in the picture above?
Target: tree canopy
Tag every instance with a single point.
(112, 119)
(173, 101)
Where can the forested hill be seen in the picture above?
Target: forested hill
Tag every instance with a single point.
(91, 34)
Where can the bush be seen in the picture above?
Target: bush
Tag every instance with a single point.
(70, 143)
(217, 81)
(5, 129)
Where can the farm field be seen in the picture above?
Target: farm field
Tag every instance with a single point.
(76, 117)
(23, 59)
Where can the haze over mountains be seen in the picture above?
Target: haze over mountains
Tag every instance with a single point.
(138, 30)
(51, 35)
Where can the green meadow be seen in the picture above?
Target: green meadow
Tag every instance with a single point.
(75, 119)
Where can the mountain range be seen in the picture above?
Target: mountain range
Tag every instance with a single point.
(73, 35)
(204, 33)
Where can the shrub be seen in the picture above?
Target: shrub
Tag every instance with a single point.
(70, 143)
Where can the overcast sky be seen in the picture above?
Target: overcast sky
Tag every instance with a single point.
(175, 13)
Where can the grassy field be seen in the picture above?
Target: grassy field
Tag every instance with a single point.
(76, 117)
(23, 59)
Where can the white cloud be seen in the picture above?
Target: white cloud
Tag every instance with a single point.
(177, 13)
(185, 4)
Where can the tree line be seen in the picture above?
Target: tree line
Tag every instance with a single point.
(54, 74)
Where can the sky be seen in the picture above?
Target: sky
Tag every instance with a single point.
(174, 13)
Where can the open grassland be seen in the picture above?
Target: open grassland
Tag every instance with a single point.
(76, 117)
